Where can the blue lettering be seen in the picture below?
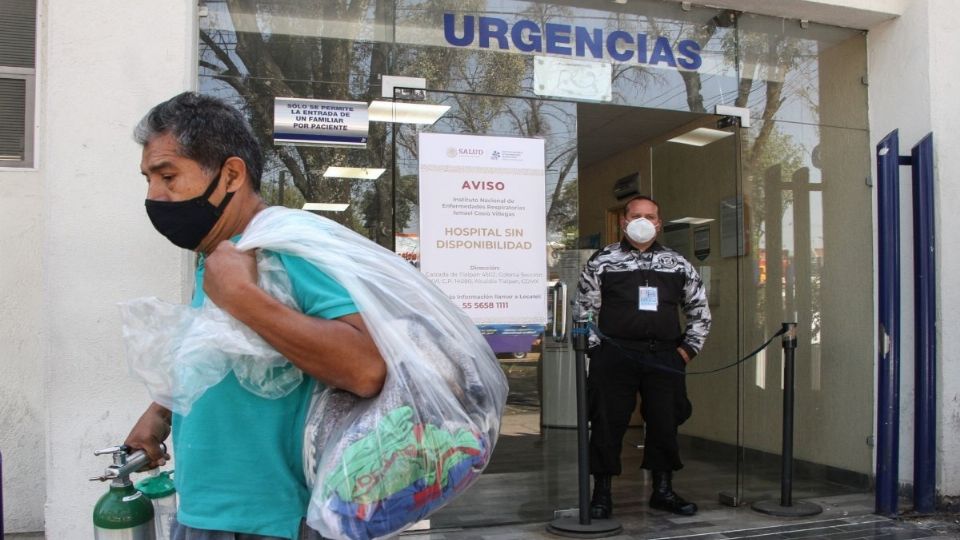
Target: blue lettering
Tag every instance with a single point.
(529, 36)
(641, 48)
(690, 49)
(586, 41)
(558, 38)
(450, 31)
(614, 51)
(491, 27)
(534, 43)
(662, 52)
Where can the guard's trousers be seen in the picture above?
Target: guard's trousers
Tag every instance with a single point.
(616, 375)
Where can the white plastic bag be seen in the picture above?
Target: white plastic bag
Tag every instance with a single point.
(377, 465)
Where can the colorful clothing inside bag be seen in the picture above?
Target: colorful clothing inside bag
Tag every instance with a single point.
(239, 456)
(400, 472)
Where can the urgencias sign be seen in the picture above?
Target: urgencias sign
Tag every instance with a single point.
(527, 36)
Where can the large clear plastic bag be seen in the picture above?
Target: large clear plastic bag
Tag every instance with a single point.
(376, 466)
(178, 351)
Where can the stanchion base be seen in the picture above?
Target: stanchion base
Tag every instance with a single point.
(571, 527)
(797, 509)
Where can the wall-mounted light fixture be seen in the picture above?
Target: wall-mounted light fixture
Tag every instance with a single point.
(362, 173)
(700, 136)
(405, 113)
(325, 207)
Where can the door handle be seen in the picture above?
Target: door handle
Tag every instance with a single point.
(559, 326)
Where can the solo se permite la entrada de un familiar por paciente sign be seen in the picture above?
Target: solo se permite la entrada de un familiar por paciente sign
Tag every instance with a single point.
(320, 122)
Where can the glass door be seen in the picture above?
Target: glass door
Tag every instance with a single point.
(810, 227)
(533, 468)
(701, 207)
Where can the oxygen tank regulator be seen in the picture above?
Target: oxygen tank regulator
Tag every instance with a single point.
(123, 512)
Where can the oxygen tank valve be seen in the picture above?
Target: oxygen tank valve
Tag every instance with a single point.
(123, 511)
(124, 463)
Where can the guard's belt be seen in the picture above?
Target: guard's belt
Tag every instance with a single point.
(646, 345)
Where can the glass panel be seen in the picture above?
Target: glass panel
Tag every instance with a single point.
(813, 75)
(294, 175)
(809, 254)
(662, 56)
(538, 464)
(334, 19)
(811, 244)
(271, 58)
(805, 90)
(704, 229)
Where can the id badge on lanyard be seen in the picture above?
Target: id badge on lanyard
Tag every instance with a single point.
(648, 299)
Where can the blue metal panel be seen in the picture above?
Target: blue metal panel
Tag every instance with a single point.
(888, 331)
(925, 320)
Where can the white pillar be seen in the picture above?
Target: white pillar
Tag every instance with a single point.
(105, 63)
(945, 114)
(914, 66)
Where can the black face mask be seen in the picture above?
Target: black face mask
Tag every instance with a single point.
(186, 223)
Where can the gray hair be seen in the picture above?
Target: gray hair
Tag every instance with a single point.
(208, 131)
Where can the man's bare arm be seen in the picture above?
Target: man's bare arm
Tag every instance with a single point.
(339, 352)
(151, 429)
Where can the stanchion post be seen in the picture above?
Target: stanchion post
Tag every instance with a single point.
(789, 342)
(584, 526)
(786, 507)
(583, 442)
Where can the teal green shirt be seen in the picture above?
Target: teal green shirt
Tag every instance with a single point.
(239, 457)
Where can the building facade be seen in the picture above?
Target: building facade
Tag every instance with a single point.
(780, 211)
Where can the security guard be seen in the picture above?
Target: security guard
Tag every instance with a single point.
(633, 290)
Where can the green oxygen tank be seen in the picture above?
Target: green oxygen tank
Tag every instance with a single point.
(160, 489)
(123, 512)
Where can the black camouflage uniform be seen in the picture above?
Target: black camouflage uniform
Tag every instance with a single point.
(620, 365)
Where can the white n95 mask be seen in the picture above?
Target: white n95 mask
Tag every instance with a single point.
(641, 230)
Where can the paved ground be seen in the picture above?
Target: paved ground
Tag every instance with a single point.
(539, 481)
(865, 526)
(733, 523)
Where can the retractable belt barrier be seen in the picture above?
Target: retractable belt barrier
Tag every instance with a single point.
(786, 506)
(630, 353)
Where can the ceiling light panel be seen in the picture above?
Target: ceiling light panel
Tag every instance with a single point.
(692, 220)
(353, 172)
(325, 207)
(405, 113)
(700, 136)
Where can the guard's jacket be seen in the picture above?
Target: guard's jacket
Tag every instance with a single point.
(609, 296)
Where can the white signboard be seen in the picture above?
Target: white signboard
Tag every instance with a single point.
(483, 225)
(320, 122)
(575, 79)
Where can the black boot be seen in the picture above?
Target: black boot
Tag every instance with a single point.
(664, 498)
(601, 506)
